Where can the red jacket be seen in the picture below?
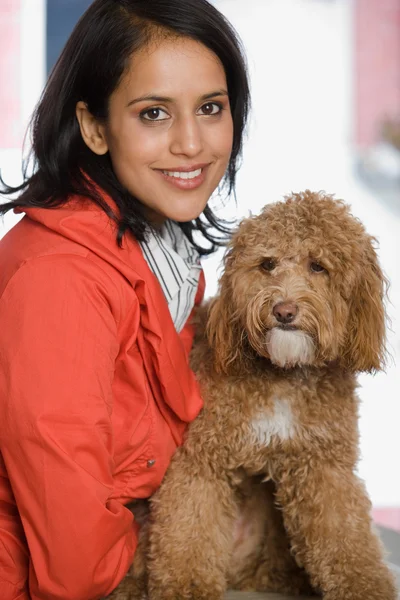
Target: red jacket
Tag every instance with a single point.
(95, 395)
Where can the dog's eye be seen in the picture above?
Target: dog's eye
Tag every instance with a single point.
(268, 264)
(316, 267)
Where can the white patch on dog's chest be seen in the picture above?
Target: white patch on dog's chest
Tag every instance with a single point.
(279, 422)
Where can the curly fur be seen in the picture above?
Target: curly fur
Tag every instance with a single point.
(263, 495)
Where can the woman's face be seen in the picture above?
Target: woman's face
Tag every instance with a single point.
(170, 129)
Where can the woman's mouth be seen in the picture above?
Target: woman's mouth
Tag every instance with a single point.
(185, 180)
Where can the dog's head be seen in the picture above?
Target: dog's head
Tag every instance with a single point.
(301, 285)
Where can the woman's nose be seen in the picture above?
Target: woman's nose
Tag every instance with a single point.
(187, 137)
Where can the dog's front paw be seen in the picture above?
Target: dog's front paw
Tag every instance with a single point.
(374, 586)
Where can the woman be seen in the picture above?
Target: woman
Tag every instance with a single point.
(140, 121)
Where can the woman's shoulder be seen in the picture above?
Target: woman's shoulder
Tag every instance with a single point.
(30, 245)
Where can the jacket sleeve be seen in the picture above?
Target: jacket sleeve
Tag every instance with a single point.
(58, 323)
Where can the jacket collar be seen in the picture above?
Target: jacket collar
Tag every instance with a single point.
(85, 223)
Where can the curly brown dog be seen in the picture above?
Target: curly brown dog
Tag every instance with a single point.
(263, 495)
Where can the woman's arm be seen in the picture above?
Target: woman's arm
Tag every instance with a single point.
(58, 323)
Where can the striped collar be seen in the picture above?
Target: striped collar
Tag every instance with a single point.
(176, 264)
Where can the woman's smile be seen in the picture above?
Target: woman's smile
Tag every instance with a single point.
(185, 178)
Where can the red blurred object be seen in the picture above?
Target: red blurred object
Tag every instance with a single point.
(10, 74)
(387, 517)
(377, 67)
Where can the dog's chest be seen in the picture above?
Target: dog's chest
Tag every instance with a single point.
(275, 422)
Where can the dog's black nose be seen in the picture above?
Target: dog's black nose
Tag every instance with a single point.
(285, 312)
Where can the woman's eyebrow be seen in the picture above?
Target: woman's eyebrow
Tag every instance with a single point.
(214, 94)
(166, 99)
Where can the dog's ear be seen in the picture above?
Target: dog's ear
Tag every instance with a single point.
(223, 331)
(365, 346)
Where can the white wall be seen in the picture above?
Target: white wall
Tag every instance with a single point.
(32, 77)
(300, 57)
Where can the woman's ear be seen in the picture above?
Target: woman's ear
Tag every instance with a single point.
(92, 131)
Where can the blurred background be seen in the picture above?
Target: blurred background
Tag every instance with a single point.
(326, 116)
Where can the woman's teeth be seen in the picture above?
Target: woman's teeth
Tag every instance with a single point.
(183, 175)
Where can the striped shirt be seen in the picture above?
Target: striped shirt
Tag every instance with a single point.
(176, 264)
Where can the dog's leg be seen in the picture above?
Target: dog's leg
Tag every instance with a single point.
(326, 512)
(191, 535)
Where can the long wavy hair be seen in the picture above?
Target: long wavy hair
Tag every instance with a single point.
(90, 68)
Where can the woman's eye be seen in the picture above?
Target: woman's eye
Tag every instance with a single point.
(154, 114)
(316, 267)
(211, 108)
(268, 264)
